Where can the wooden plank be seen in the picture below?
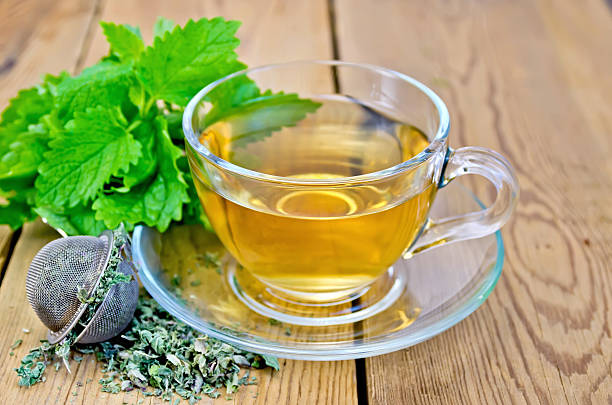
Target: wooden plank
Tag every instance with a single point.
(271, 31)
(37, 37)
(6, 235)
(17, 315)
(30, 47)
(264, 40)
(531, 80)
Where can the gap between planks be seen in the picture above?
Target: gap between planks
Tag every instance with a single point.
(314, 381)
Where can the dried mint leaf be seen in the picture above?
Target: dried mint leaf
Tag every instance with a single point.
(158, 355)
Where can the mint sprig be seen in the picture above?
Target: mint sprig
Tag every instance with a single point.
(91, 151)
(125, 42)
(94, 146)
(155, 202)
(178, 65)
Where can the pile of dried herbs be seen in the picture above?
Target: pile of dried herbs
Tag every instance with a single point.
(158, 355)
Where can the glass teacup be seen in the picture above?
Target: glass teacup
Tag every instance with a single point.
(318, 192)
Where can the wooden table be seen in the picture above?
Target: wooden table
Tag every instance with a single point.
(531, 79)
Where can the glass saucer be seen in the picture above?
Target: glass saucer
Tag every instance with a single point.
(186, 270)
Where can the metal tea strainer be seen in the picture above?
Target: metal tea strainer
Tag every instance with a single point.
(64, 266)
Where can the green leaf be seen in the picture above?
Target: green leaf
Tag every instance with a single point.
(271, 361)
(15, 214)
(175, 125)
(137, 96)
(257, 118)
(193, 213)
(230, 94)
(163, 25)
(18, 189)
(104, 84)
(94, 147)
(124, 43)
(31, 104)
(147, 164)
(79, 220)
(252, 114)
(23, 141)
(9, 132)
(189, 58)
(50, 82)
(134, 30)
(66, 147)
(25, 153)
(155, 203)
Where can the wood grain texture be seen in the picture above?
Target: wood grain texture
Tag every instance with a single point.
(33, 44)
(36, 38)
(531, 80)
(17, 315)
(6, 235)
(271, 31)
(39, 37)
(263, 41)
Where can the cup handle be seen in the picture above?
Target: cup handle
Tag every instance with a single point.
(492, 166)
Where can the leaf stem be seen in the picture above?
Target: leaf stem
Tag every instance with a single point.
(148, 106)
(134, 125)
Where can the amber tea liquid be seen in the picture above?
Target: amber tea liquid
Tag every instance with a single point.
(318, 240)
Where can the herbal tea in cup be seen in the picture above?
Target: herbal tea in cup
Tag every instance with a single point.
(319, 239)
(319, 185)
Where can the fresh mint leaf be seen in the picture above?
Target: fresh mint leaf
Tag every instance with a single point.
(20, 195)
(134, 29)
(105, 84)
(162, 25)
(23, 141)
(189, 58)
(193, 212)
(15, 214)
(79, 220)
(137, 96)
(252, 114)
(156, 203)
(175, 126)
(66, 146)
(50, 82)
(31, 104)
(146, 165)
(9, 131)
(231, 94)
(124, 42)
(95, 146)
(24, 154)
(18, 189)
(258, 117)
